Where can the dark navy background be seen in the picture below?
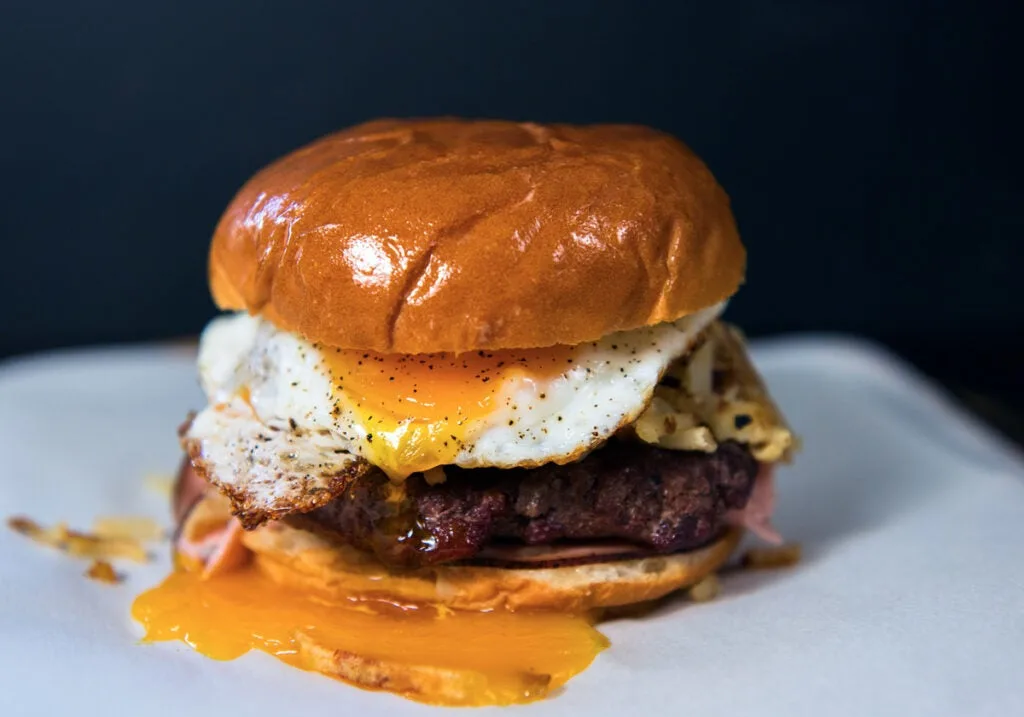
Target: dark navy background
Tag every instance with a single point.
(871, 148)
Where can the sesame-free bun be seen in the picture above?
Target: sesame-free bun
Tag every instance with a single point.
(453, 235)
(310, 561)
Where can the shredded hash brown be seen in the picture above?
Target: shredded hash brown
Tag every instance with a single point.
(713, 395)
(112, 538)
(782, 556)
(103, 572)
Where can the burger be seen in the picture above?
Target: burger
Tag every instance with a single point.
(473, 391)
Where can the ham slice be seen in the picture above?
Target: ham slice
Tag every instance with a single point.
(582, 552)
(209, 538)
(757, 514)
(219, 551)
(188, 489)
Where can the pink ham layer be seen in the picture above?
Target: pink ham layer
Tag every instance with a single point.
(756, 516)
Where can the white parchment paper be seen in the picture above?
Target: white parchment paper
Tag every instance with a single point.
(910, 599)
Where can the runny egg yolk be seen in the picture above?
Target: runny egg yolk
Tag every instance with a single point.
(418, 410)
(493, 657)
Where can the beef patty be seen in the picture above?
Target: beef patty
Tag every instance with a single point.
(665, 501)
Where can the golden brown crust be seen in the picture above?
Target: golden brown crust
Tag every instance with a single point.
(312, 561)
(453, 235)
(427, 683)
(252, 512)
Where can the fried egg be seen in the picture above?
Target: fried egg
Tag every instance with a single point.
(288, 417)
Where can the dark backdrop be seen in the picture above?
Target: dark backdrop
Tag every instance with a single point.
(870, 147)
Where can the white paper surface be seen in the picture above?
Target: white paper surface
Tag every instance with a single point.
(910, 599)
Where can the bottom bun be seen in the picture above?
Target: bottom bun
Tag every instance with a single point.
(314, 562)
(426, 683)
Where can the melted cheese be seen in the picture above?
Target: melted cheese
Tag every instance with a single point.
(502, 657)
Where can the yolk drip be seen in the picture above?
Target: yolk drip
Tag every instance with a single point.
(484, 658)
(418, 409)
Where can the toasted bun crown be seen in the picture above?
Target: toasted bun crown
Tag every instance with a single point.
(453, 235)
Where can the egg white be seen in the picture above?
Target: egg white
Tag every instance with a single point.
(289, 388)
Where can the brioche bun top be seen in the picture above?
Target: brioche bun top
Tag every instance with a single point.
(452, 235)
